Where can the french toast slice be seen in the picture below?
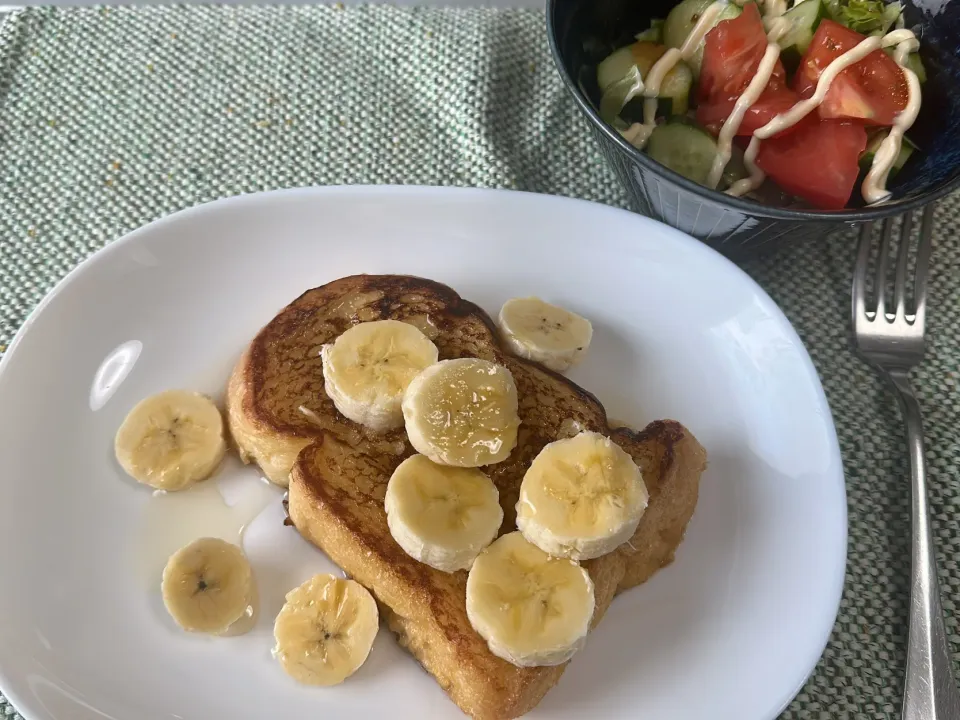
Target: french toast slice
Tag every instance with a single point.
(337, 471)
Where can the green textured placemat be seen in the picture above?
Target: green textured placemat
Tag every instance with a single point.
(110, 118)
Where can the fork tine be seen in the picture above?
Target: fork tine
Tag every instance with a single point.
(924, 251)
(860, 271)
(903, 252)
(880, 285)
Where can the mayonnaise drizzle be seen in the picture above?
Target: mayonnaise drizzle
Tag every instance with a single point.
(638, 134)
(666, 63)
(757, 85)
(850, 57)
(874, 185)
(873, 188)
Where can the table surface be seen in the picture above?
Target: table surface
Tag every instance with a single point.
(112, 117)
(456, 4)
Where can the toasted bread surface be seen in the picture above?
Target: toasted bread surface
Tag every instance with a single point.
(337, 471)
(276, 402)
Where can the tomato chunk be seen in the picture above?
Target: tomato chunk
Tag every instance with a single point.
(817, 162)
(731, 55)
(873, 90)
(772, 102)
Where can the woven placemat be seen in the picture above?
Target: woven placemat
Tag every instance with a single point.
(110, 118)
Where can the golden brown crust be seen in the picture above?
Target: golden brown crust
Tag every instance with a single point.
(672, 461)
(425, 607)
(339, 476)
(276, 402)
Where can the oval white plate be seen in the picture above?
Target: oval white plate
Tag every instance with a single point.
(730, 630)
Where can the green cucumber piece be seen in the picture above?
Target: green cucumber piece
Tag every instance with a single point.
(916, 64)
(617, 78)
(646, 54)
(681, 20)
(614, 68)
(617, 95)
(873, 144)
(675, 90)
(804, 20)
(652, 34)
(674, 97)
(683, 147)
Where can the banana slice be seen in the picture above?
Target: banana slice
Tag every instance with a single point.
(442, 516)
(171, 440)
(581, 497)
(208, 586)
(368, 367)
(546, 333)
(325, 630)
(531, 608)
(462, 412)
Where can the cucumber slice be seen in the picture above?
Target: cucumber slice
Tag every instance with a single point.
(646, 54)
(681, 20)
(617, 78)
(617, 95)
(675, 90)
(906, 150)
(674, 95)
(673, 100)
(684, 148)
(804, 19)
(614, 68)
(916, 64)
(653, 34)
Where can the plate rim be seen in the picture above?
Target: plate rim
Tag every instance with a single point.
(30, 709)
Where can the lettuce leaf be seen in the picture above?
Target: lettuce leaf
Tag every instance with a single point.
(864, 16)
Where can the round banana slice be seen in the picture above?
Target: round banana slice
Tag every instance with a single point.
(442, 516)
(325, 630)
(462, 412)
(208, 586)
(171, 440)
(581, 497)
(531, 608)
(368, 367)
(546, 333)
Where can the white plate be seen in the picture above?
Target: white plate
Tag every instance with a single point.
(730, 630)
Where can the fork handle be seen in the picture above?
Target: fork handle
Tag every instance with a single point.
(930, 692)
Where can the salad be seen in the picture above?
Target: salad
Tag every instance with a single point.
(764, 98)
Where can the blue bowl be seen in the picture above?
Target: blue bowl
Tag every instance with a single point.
(582, 32)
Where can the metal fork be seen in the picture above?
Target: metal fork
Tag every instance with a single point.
(891, 338)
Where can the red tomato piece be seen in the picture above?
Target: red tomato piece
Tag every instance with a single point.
(873, 90)
(817, 162)
(771, 103)
(731, 55)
